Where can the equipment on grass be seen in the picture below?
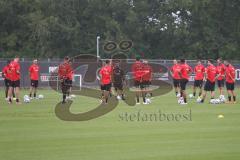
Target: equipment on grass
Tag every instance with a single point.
(40, 96)
(222, 98)
(73, 96)
(220, 116)
(199, 100)
(26, 99)
(215, 101)
(190, 96)
(119, 97)
(180, 100)
(148, 100)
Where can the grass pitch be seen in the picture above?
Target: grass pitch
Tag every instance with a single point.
(33, 132)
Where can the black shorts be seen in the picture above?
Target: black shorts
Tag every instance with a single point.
(230, 86)
(147, 83)
(7, 82)
(106, 87)
(209, 86)
(34, 83)
(67, 82)
(183, 84)
(65, 85)
(118, 85)
(15, 84)
(176, 83)
(139, 84)
(70, 83)
(198, 83)
(220, 83)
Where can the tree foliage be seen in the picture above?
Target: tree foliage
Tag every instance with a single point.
(158, 28)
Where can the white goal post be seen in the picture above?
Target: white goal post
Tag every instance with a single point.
(77, 80)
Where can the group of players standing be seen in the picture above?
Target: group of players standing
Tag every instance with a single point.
(12, 77)
(222, 73)
(111, 73)
(11, 74)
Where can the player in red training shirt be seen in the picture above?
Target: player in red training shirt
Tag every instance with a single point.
(14, 76)
(137, 70)
(5, 75)
(221, 78)
(174, 71)
(34, 76)
(64, 70)
(147, 78)
(184, 74)
(211, 75)
(230, 82)
(199, 71)
(70, 77)
(106, 80)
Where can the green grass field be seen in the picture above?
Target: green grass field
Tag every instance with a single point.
(33, 132)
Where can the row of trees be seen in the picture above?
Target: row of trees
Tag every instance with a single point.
(158, 28)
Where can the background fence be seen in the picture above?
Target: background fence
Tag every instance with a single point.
(47, 66)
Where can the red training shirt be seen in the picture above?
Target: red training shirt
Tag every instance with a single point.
(137, 69)
(199, 72)
(185, 70)
(106, 73)
(34, 72)
(70, 75)
(64, 70)
(230, 74)
(147, 72)
(5, 72)
(175, 71)
(14, 71)
(221, 70)
(211, 72)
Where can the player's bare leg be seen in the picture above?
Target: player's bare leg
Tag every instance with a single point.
(13, 94)
(184, 95)
(106, 95)
(229, 96)
(234, 97)
(212, 94)
(10, 93)
(121, 94)
(30, 92)
(194, 91)
(143, 92)
(17, 93)
(200, 91)
(138, 96)
(35, 92)
(69, 91)
(203, 96)
(221, 91)
(177, 90)
(6, 92)
(102, 96)
(64, 92)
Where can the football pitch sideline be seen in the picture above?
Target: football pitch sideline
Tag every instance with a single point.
(31, 131)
